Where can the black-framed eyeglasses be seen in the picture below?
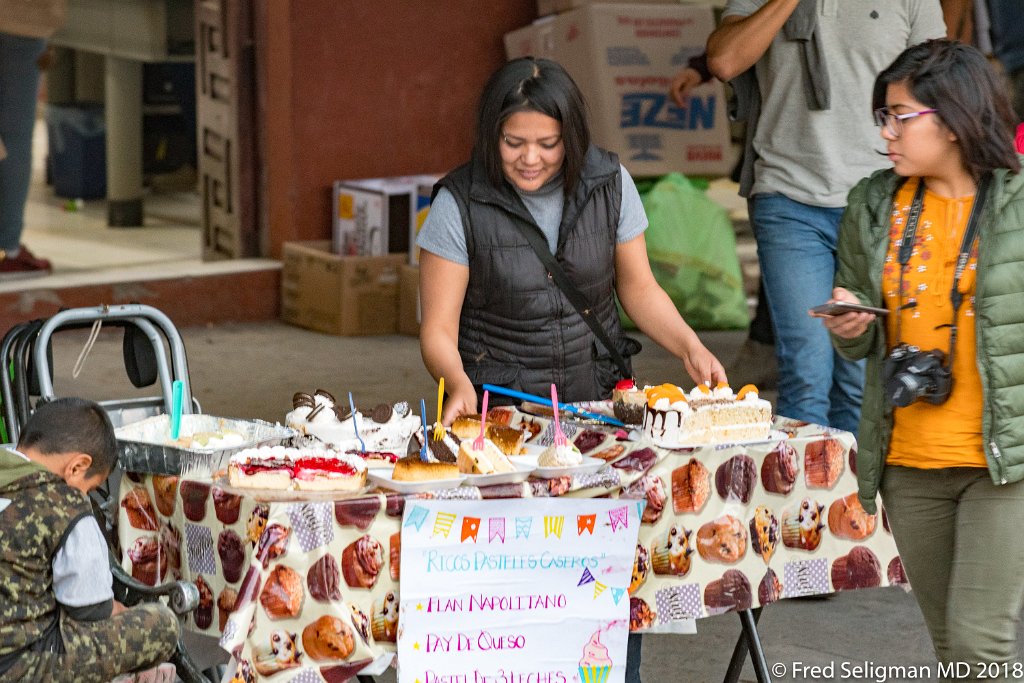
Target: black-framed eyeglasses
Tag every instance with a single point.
(893, 123)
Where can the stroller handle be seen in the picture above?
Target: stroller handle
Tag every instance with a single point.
(148, 319)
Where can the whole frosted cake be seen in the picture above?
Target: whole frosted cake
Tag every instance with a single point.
(385, 428)
(705, 416)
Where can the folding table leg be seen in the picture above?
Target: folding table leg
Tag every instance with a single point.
(749, 641)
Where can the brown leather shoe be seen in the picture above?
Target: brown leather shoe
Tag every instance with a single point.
(24, 265)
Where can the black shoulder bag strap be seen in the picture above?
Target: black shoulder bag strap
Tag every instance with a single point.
(576, 298)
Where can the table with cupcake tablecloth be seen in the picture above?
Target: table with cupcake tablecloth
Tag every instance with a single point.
(306, 589)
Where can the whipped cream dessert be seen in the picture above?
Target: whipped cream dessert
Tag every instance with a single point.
(386, 428)
(560, 456)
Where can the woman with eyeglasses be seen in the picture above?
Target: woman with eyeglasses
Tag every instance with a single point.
(938, 241)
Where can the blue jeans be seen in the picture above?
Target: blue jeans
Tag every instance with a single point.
(19, 88)
(796, 247)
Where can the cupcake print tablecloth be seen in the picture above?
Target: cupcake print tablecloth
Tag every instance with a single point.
(308, 591)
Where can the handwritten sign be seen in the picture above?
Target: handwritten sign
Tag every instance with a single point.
(516, 591)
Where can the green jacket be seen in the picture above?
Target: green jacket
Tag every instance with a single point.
(999, 311)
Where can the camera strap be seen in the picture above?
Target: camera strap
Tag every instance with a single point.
(966, 245)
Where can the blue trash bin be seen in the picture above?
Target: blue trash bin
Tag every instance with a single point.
(77, 150)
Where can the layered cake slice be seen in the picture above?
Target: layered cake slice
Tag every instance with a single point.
(509, 440)
(705, 416)
(487, 460)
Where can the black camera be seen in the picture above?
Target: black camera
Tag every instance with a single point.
(912, 374)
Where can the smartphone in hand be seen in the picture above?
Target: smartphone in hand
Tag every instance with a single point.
(840, 307)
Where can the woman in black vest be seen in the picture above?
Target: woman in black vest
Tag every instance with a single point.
(536, 188)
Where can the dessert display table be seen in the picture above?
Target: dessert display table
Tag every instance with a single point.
(311, 586)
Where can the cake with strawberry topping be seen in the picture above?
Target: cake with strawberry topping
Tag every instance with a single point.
(674, 418)
(281, 468)
(628, 402)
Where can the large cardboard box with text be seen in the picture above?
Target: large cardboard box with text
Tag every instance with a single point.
(376, 216)
(553, 6)
(623, 57)
(343, 295)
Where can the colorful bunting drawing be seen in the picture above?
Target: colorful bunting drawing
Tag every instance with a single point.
(470, 528)
(640, 509)
(415, 517)
(619, 517)
(598, 589)
(586, 578)
(496, 529)
(585, 523)
(443, 523)
(553, 525)
(523, 525)
(617, 594)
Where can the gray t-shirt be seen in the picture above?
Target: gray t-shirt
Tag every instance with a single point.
(816, 157)
(442, 232)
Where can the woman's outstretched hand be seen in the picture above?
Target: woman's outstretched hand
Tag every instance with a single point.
(848, 325)
(702, 366)
(461, 401)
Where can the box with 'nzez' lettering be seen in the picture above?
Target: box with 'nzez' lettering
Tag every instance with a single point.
(623, 57)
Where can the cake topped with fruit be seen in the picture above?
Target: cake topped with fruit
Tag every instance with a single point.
(705, 415)
(628, 402)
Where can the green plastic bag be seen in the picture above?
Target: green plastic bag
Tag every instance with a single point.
(692, 249)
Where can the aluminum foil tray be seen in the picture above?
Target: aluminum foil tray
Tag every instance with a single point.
(146, 445)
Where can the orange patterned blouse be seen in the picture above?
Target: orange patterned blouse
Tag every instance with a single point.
(930, 436)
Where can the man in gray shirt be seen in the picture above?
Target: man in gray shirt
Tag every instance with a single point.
(808, 69)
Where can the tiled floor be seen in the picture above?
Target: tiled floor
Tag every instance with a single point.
(84, 250)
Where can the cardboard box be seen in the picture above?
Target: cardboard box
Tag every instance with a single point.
(552, 6)
(375, 216)
(344, 295)
(409, 312)
(623, 57)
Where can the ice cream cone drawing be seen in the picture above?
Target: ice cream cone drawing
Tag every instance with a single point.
(595, 664)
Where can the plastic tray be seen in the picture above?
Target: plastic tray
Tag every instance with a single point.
(146, 445)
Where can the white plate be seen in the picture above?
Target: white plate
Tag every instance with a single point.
(588, 465)
(382, 477)
(773, 436)
(522, 472)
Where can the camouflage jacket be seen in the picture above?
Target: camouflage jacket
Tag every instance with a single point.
(37, 511)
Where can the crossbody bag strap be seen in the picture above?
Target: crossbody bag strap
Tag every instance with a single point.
(576, 298)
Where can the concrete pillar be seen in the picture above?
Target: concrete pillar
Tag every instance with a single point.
(123, 115)
(89, 69)
(60, 77)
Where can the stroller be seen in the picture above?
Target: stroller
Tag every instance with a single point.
(27, 355)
